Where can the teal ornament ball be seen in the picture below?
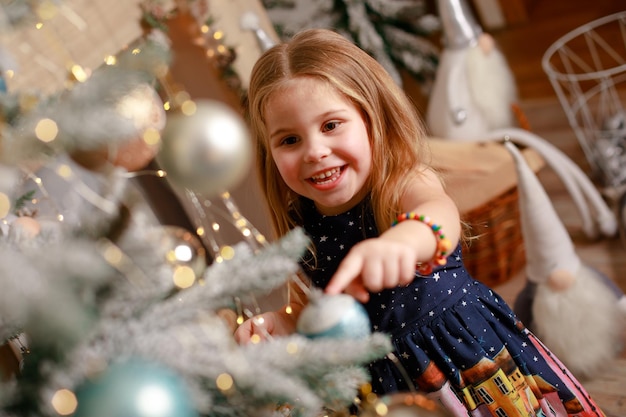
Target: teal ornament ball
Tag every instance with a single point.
(135, 388)
(338, 316)
(208, 151)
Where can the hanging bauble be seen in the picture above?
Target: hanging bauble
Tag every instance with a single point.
(135, 388)
(27, 226)
(184, 253)
(144, 108)
(208, 151)
(135, 154)
(339, 316)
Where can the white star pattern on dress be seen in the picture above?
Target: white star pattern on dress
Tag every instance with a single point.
(323, 238)
(436, 276)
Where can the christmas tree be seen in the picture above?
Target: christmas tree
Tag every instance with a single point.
(396, 33)
(116, 313)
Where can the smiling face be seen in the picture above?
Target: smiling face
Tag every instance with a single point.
(319, 142)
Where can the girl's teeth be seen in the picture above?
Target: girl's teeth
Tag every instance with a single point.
(325, 174)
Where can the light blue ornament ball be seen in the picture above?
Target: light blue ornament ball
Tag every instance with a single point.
(135, 388)
(338, 316)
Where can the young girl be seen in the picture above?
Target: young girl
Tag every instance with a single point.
(341, 153)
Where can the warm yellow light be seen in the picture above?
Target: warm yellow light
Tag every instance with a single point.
(381, 409)
(64, 402)
(79, 73)
(46, 130)
(292, 348)
(110, 60)
(224, 382)
(5, 205)
(113, 255)
(188, 108)
(184, 277)
(227, 252)
(47, 10)
(152, 136)
(65, 171)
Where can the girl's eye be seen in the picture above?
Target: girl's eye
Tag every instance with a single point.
(328, 126)
(289, 140)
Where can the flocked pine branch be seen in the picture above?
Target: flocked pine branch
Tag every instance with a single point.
(396, 33)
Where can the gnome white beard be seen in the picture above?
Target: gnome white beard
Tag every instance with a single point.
(491, 83)
(581, 325)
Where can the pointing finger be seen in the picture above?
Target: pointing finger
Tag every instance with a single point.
(348, 271)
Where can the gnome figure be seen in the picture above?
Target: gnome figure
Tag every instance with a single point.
(575, 310)
(474, 89)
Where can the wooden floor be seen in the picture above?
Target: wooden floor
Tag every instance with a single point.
(524, 46)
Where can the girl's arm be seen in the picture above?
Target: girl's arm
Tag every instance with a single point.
(390, 260)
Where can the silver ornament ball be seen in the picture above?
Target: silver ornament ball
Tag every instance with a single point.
(208, 151)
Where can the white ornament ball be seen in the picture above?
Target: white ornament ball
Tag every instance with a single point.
(339, 316)
(208, 151)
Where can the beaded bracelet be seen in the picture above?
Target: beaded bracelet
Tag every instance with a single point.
(443, 244)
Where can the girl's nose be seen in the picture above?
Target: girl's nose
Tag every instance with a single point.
(316, 151)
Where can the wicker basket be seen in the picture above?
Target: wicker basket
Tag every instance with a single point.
(495, 250)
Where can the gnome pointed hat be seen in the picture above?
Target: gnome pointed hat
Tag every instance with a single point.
(547, 243)
(460, 28)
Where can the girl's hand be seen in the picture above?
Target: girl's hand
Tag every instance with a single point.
(373, 265)
(273, 323)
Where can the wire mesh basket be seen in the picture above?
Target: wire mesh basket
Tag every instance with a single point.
(587, 69)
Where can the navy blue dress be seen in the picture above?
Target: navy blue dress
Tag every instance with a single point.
(455, 338)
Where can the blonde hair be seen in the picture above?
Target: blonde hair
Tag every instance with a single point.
(395, 130)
